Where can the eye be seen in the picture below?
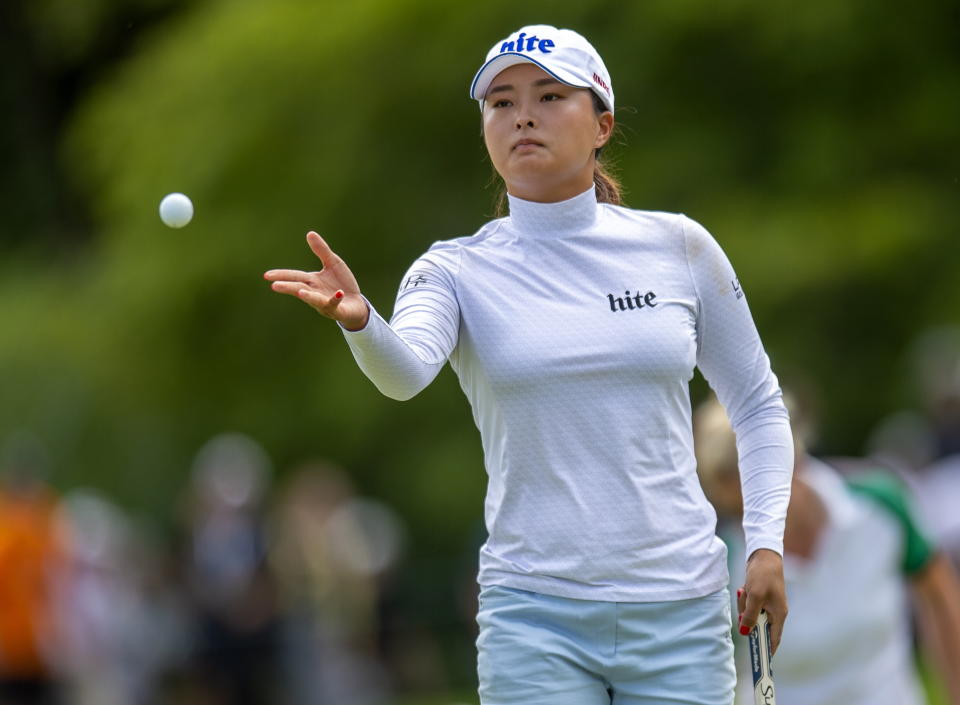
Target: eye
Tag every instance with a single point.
(551, 97)
(502, 103)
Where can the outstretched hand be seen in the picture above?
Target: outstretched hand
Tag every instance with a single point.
(333, 291)
(763, 589)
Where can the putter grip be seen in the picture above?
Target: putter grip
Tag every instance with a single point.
(760, 662)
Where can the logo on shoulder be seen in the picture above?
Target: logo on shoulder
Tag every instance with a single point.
(736, 288)
(415, 280)
(525, 43)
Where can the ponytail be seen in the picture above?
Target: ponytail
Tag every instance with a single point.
(607, 185)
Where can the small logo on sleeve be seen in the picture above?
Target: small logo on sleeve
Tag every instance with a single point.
(632, 302)
(736, 288)
(415, 279)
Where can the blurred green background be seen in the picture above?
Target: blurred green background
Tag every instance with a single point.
(818, 141)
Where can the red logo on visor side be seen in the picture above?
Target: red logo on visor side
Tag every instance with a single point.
(602, 83)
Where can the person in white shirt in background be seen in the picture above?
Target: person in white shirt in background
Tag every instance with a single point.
(855, 560)
(574, 325)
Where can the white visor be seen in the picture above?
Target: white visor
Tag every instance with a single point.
(562, 53)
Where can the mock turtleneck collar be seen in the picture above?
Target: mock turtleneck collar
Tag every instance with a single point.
(574, 214)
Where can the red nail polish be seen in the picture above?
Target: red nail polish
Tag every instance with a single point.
(739, 593)
(339, 295)
(744, 630)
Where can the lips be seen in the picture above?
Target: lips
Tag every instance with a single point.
(526, 142)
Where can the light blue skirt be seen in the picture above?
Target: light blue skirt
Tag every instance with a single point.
(539, 649)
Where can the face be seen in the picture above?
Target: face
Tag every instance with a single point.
(541, 134)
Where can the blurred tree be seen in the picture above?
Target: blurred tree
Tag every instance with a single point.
(52, 51)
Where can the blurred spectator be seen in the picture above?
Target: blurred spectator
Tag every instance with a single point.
(903, 441)
(925, 445)
(938, 492)
(114, 640)
(935, 357)
(852, 549)
(29, 551)
(333, 552)
(937, 360)
(228, 578)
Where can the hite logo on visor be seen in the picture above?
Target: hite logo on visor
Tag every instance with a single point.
(544, 45)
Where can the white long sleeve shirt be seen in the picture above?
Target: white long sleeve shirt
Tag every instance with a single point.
(574, 329)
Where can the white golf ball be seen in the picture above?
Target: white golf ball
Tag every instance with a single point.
(176, 210)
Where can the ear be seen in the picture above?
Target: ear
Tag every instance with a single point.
(606, 122)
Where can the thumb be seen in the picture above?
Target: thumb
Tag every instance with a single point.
(323, 303)
(321, 249)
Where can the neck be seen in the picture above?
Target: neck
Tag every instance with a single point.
(553, 187)
(575, 214)
(538, 193)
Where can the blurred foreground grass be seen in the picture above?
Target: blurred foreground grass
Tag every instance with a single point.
(932, 684)
(463, 698)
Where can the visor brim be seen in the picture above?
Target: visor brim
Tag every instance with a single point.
(490, 70)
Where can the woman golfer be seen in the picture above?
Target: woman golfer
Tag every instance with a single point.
(574, 325)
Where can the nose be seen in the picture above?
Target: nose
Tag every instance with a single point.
(525, 116)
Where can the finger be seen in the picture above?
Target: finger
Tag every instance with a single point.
(751, 610)
(776, 630)
(777, 616)
(321, 249)
(324, 303)
(285, 287)
(741, 604)
(294, 275)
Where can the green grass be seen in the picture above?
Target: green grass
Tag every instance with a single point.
(463, 698)
(932, 684)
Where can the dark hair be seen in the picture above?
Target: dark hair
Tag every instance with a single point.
(608, 187)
